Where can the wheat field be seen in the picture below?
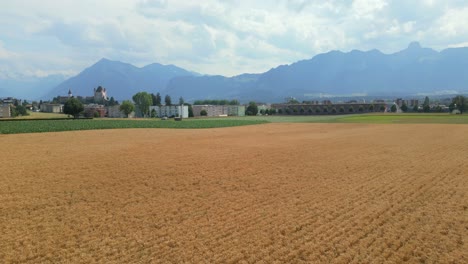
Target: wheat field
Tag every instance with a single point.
(271, 193)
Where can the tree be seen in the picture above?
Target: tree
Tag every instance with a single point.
(426, 108)
(203, 112)
(167, 100)
(252, 109)
(21, 110)
(262, 111)
(181, 101)
(415, 108)
(127, 107)
(13, 112)
(153, 113)
(404, 108)
(73, 107)
(371, 108)
(460, 103)
(143, 101)
(393, 108)
(426, 101)
(156, 99)
(292, 100)
(190, 111)
(112, 102)
(426, 105)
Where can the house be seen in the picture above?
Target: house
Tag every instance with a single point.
(5, 111)
(94, 110)
(114, 112)
(52, 108)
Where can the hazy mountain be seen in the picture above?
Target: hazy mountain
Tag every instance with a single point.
(122, 80)
(214, 87)
(410, 71)
(30, 88)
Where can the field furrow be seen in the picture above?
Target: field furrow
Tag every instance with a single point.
(272, 193)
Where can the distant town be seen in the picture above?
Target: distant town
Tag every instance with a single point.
(98, 104)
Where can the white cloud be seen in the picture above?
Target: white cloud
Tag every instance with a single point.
(215, 37)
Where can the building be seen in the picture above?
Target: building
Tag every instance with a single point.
(328, 109)
(169, 111)
(399, 102)
(52, 108)
(5, 111)
(412, 102)
(100, 95)
(262, 107)
(9, 100)
(219, 110)
(114, 112)
(236, 110)
(94, 110)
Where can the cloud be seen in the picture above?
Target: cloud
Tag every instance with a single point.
(6, 54)
(215, 37)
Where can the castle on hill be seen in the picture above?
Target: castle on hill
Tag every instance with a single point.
(99, 97)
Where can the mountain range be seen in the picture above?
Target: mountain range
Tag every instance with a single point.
(122, 80)
(29, 87)
(414, 70)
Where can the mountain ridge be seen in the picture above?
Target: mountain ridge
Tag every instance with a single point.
(412, 70)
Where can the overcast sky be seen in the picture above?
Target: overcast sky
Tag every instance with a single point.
(41, 37)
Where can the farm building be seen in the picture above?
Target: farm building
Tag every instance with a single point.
(5, 111)
(170, 111)
(219, 110)
(52, 108)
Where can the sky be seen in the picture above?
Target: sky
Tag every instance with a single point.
(41, 38)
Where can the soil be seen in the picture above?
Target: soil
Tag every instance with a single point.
(290, 193)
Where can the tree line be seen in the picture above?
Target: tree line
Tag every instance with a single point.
(458, 103)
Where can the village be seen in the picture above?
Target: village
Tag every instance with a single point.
(100, 105)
